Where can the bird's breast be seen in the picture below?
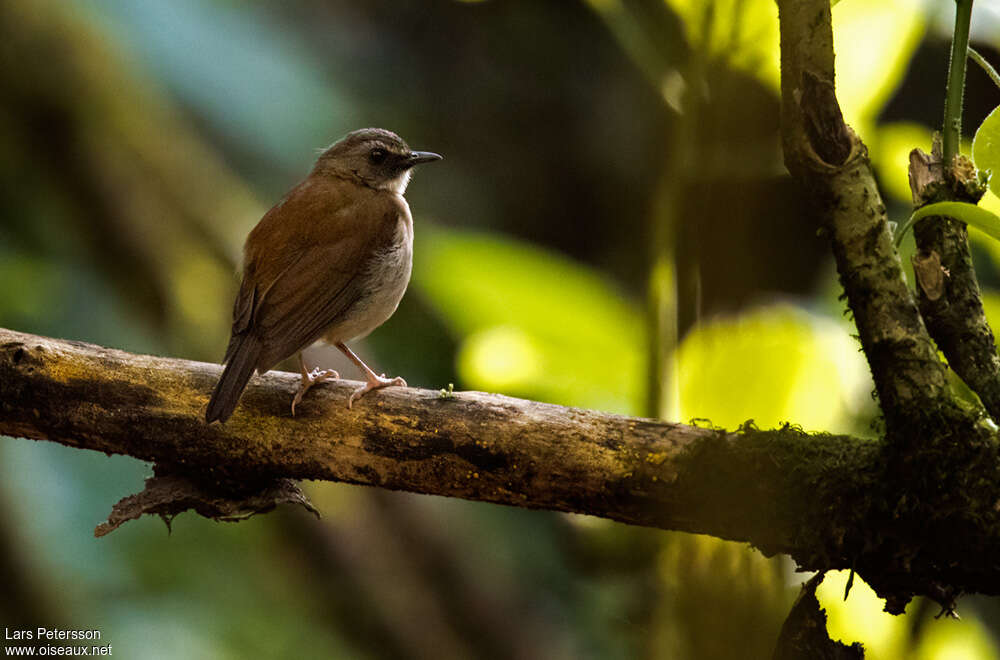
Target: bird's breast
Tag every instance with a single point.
(385, 278)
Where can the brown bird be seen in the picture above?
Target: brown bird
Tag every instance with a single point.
(330, 261)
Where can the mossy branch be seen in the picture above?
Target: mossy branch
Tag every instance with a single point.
(470, 444)
(828, 501)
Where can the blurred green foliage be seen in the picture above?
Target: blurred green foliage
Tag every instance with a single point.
(140, 141)
(776, 365)
(531, 322)
(742, 34)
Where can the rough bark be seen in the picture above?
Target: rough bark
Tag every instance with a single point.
(831, 163)
(953, 310)
(933, 443)
(464, 444)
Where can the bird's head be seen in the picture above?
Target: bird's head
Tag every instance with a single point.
(375, 157)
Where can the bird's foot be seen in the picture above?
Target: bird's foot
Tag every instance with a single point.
(374, 383)
(309, 379)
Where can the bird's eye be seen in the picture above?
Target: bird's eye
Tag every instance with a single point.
(377, 156)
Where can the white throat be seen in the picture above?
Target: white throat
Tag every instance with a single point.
(398, 185)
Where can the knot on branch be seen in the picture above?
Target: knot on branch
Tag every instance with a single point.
(930, 273)
(931, 182)
(828, 135)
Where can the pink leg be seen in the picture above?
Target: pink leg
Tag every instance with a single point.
(310, 378)
(374, 381)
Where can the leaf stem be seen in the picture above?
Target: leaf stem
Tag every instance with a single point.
(975, 216)
(952, 129)
(986, 66)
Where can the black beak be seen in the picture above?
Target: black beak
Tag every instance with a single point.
(417, 157)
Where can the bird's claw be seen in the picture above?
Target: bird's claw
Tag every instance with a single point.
(374, 383)
(308, 380)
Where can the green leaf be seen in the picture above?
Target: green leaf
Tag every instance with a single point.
(972, 215)
(531, 322)
(986, 147)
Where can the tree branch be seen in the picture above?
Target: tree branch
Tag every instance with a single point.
(933, 443)
(831, 163)
(826, 500)
(953, 309)
(467, 444)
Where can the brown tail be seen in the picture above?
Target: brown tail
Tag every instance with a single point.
(241, 360)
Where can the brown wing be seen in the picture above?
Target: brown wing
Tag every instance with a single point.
(307, 299)
(301, 277)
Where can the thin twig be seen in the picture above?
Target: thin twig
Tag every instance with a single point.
(984, 65)
(952, 129)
